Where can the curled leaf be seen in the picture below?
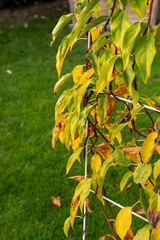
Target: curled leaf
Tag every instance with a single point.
(103, 149)
(88, 205)
(67, 226)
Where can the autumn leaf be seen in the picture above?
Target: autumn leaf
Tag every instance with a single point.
(74, 208)
(155, 235)
(55, 134)
(88, 205)
(121, 90)
(103, 150)
(154, 210)
(132, 150)
(129, 235)
(106, 237)
(56, 201)
(77, 73)
(67, 226)
(77, 178)
(95, 31)
(123, 221)
(95, 164)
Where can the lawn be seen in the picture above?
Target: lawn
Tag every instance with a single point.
(30, 172)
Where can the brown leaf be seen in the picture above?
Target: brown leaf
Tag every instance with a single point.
(74, 208)
(138, 210)
(88, 205)
(121, 111)
(106, 237)
(129, 235)
(149, 130)
(129, 185)
(103, 149)
(157, 140)
(56, 201)
(77, 178)
(132, 150)
(154, 217)
(121, 90)
(125, 119)
(111, 105)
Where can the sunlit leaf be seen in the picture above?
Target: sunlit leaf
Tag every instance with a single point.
(56, 201)
(103, 149)
(128, 42)
(67, 226)
(95, 32)
(144, 55)
(62, 81)
(148, 3)
(75, 156)
(86, 75)
(155, 235)
(95, 164)
(123, 221)
(124, 179)
(121, 90)
(63, 21)
(142, 234)
(119, 24)
(138, 7)
(156, 170)
(132, 150)
(62, 52)
(105, 166)
(84, 194)
(77, 73)
(148, 147)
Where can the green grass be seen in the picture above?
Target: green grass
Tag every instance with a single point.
(30, 172)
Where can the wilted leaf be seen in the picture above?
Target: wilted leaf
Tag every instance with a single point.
(88, 205)
(103, 149)
(55, 134)
(95, 164)
(56, 201)
(74, 208)
(123, 221)
(124, 179)
(155, 235)
(121, 90)
(129, 235)
(148, 147)
(142, 173)
(156, 170)
(67, 226)
(106, 237)
(154, 210)
(78, 178)
(143, 234)
(132, 150)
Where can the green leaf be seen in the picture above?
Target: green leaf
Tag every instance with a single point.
(128, 41)
(101, 109)
(75, 156)
(82, 118)
(144, 55)
(80, 4)
(143, 234)
(93, 58)
(124, 2)
(84, 194)
(61, 54)
(145, 194)
(81, 186)
(128, 76)
(67, 226)
(119, 24)
(106, 72)
(62, 81)
(157, 34)
(124, 179)
(148, 147)
(138, 6)
(98, 39)
(94, 23)
(63, 21)
(142, 173)
(84, 15)
(156, 170)
(120, 158)
(105, 166)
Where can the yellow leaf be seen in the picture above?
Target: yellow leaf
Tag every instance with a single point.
(62, 134)
(74, 208)
(76, 143)
(123, 221)
(77, 73)
(113, 48)
(103, 149)
(148, 3)
(97, 9)
(88, 205)
(51, 43)
(148, 147)
(67, 226)
(124, 179)
(95, 32)
(149, 184)
(95, 164)
(156, 170)
(155, 235)
(56, 201)
(86, 75)
(55, 134)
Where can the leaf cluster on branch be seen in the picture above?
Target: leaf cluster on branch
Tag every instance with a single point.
(85, 117)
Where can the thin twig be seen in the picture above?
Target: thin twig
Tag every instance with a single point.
(149, 18)
(112, 11)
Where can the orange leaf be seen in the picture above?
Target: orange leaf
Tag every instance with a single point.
(129, 235)
(88, 205)
(121, 90)
(111, 105)
(132, 150)
(56, 201)
(103, 150)
(106, 237)
(78, 178)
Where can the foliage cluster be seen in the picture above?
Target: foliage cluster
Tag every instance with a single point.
(85, 119)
